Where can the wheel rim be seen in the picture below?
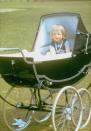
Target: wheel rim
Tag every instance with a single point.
(15, 117)
(46, 97)
(86, 105)
(63, 110)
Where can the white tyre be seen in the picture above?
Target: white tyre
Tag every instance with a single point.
(16, 115)
(64, 109)
(86, 106)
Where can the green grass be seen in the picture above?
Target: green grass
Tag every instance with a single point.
(18, 29)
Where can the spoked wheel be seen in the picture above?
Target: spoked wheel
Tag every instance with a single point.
(86, 106)
(63, 110)
(15, 115)
(44, 108)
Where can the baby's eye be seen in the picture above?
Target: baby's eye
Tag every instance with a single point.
(59, 34)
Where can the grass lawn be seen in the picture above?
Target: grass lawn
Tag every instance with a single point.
(18, 29)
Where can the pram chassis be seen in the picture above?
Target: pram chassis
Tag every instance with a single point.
(43, 106)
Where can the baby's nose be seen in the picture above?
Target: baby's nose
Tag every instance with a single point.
(57, 35)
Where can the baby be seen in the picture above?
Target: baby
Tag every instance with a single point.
(59, 43)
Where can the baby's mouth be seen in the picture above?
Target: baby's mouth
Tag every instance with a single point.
(57, 40)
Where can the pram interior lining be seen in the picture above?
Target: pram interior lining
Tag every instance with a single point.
(38, 57)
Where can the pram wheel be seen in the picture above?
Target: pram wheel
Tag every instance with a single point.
(46, 99)
(86, 106)
(64, 109)
(15, 115)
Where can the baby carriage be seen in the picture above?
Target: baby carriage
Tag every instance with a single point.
(40, 82)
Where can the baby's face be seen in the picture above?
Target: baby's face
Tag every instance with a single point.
(57, 36)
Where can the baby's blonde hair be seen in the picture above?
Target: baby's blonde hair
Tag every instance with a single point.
(56, 28)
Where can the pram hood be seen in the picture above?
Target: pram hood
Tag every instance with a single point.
(72, 22)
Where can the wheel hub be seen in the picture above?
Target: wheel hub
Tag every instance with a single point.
(68, 112)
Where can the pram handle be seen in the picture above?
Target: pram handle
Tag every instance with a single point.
(83, 33)
(19, 50)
